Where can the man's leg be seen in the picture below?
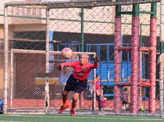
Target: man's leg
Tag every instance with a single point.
(65, 102)
(74, 103)
(65, 99)
(99, 102)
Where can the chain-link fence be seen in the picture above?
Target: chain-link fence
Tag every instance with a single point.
(33, 32)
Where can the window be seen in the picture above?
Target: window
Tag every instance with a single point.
(126, 56)
(103, 52)
(22, 40)
(111, 50)
(108, 91)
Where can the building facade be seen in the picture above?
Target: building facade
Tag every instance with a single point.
(29, 25)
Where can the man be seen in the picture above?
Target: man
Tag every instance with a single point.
(1, 106)
(98, 91)
(124, 97)
(77, 82)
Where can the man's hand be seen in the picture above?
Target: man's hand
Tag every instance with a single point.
(96, 59)
(59, 67)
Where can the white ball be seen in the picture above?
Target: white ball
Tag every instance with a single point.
(67, 52)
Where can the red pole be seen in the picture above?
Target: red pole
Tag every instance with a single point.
(153, 43)
(134, 60)
(117, 58)
(152, 70)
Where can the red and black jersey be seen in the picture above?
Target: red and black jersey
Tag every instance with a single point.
(80, 72)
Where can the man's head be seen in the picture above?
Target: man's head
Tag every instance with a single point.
(97, 76)
(84, 58)
(101, 86)
(125, 89)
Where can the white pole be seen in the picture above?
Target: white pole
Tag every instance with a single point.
(12, 78)
(5, 58)
(94, 90)
(47, 61)
(162, 59)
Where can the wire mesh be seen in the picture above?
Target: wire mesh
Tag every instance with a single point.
(27, 85)
(28, 32)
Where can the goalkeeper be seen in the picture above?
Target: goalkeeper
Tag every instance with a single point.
(77, 82)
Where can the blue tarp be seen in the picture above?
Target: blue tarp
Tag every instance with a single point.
(1, 106)
(51, 48)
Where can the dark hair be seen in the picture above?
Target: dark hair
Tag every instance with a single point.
(125, 89)
(97, 75)
(80, 55)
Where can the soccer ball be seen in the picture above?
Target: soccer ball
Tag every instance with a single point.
(67, 52)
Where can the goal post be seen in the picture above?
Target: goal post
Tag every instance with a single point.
(30, 88)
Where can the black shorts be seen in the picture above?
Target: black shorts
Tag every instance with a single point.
(124, 102)
(75, 85)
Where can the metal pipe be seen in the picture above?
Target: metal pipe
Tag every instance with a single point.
(162, 85)
(94, 91)
(78, 4)
(6, 50)
(152, 65)
(82, 29)
(117, 58)
(12, 79)
(134, 59)
(47, 61)
(162, 59)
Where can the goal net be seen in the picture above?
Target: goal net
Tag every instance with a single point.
(32, 90)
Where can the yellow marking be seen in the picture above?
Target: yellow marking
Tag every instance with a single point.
(41, 80)
(53, 80)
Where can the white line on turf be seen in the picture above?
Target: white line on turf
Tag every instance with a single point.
(9, 121)
(91, 117)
